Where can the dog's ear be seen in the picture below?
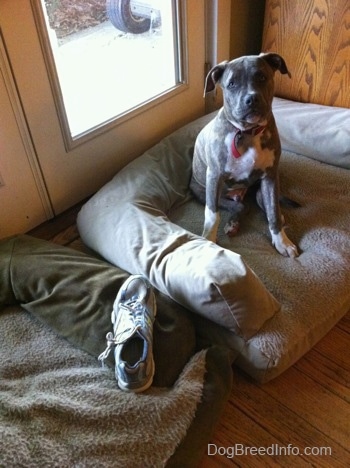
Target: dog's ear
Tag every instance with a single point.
(276, 62)
(214, 76)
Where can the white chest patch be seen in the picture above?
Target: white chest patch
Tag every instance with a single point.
(253, 157)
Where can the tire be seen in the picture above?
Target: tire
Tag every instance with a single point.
(119, 14)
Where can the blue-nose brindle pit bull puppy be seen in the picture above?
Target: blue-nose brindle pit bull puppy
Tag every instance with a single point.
(241, 147)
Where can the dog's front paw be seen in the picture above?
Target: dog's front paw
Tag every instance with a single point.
(284, 245)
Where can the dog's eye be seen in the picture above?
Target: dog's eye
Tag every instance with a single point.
(259, 76)
(231, 84)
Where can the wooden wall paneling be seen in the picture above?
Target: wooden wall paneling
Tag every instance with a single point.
(313, 36)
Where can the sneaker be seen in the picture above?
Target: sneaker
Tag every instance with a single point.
(133, 316)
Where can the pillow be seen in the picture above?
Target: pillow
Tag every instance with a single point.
(318, 132)
(126, 223)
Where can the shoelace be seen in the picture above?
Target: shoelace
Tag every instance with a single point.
(134, 309)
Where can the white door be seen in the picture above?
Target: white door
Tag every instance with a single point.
(77, 154)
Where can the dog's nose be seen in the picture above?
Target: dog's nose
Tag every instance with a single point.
(251, 99)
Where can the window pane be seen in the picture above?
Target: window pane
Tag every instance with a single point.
(111, 56)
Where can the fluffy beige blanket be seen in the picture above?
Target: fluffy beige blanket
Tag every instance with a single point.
(59, 408)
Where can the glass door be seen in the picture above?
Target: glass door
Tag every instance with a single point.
(107, 58)
(96, 97)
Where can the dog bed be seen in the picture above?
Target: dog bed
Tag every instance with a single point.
(268, 308)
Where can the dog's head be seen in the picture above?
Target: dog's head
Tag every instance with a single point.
(248, 87)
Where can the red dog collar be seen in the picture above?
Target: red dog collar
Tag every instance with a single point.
(253, 131)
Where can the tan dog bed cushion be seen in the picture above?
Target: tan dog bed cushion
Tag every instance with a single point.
(146, 221)
(126, 222)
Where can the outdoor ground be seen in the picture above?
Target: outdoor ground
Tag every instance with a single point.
(69, 16)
